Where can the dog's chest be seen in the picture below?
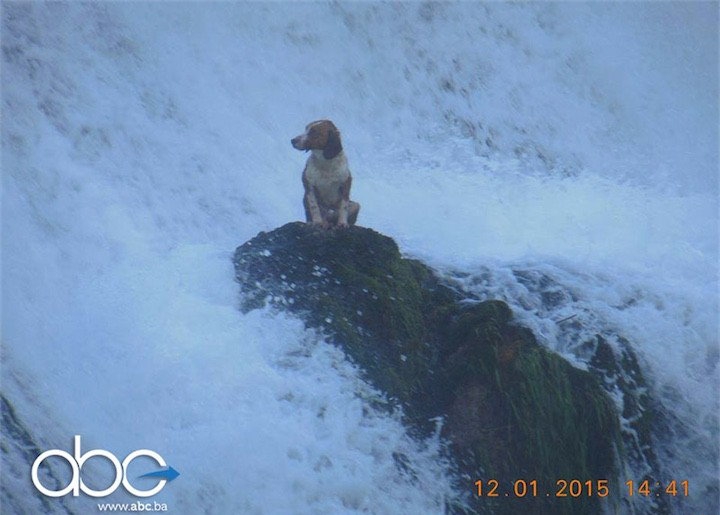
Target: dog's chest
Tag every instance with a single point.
(327, 177)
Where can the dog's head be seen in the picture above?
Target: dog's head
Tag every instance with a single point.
(319, 135)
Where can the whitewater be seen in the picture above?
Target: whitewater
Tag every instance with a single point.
(522, 149)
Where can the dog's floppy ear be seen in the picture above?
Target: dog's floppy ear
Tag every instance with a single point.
(333, 146)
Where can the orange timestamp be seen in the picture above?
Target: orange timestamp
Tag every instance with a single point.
(574, 488)
(530, 488)
(649, 488)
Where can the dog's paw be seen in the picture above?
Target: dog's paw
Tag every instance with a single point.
(321, 224)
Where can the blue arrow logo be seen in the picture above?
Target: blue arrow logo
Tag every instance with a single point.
(168, 474)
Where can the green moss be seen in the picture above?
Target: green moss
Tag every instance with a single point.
(512, 409)
(561, 415)
(541, 418)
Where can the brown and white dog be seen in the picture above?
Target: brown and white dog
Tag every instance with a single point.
(326, 177)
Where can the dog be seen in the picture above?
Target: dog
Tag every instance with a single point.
(326, 177)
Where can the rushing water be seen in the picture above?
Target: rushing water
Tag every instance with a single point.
(143, 141)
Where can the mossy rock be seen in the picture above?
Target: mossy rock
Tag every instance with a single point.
(522, 412)
(511, 409)
(354, 285)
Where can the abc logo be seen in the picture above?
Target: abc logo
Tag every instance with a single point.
(76, 463)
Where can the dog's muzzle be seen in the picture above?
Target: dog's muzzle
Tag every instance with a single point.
(298, 142)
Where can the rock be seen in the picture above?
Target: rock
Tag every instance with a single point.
(19, 450)
(618, 368)
(510, 408)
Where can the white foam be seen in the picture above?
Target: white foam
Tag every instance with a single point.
(142, 142)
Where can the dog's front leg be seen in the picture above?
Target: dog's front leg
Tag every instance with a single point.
(343, 213)
(344, 205)
(312, 210)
